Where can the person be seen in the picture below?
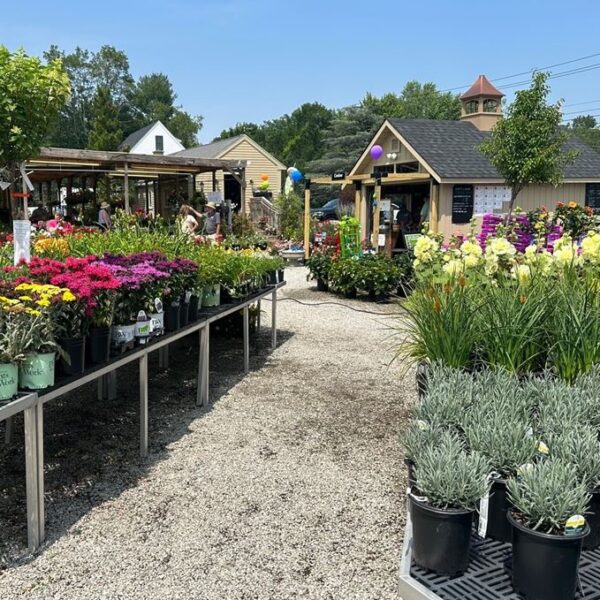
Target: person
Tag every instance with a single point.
(104, 219)
(55, 223)
(40, 214)
(424, 215)
(212, 222)
(188, 222)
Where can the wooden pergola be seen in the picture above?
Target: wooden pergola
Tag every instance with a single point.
(58, 164)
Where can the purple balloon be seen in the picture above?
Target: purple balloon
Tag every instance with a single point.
(376, 152)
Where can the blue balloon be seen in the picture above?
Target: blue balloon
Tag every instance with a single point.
(296, 176)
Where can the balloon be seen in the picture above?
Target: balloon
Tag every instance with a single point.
(264, 177)
(264, 186)
(290, 170)
(296, 176)
(376, 152)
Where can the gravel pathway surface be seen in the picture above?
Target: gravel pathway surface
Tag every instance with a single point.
(289, 486)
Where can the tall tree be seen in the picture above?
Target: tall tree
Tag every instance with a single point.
(585, 128)
(31, 95)
(152, 100)
(105, 129)
(185, 127)
(349, 134)
(526, 146)
(584, 122)
(416, 101)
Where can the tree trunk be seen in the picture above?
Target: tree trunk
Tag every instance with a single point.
(514, 192)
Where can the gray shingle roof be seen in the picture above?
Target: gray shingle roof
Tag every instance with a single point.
(213, 150)
(133, 138)
(450, 148)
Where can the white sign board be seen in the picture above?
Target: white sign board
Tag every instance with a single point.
(216, 197)
(385, 205)
(381, 239)
(489, 198)
(22, 241)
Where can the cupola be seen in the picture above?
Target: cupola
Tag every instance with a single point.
(481, 104)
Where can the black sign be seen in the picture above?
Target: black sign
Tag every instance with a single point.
(338, 176)
(592, 196)
(462, 204)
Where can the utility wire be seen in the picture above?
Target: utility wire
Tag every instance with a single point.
(567, 62)
(581, 103)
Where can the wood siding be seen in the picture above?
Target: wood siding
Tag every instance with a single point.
(532, 197)
(259, 163)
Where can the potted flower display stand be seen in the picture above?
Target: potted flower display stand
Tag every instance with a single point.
(488, 575)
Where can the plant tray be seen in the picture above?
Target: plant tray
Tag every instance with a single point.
(488, 576)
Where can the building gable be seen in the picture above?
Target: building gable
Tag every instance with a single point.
(144, 140)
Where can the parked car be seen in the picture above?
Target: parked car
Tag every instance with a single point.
(330, 211)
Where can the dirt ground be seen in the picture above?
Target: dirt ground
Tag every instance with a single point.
(289, 486)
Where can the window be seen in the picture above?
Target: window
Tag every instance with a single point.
(592, 196)
(409, 167)
(472, 106)
(158, 141)
(379, 169)
(490, 105)
(395, 145)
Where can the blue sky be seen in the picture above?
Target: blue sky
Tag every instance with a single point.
(242, 60)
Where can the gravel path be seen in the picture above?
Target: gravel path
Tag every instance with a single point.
(290, 486)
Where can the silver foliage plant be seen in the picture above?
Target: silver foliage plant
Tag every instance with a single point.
(547, 494)
(580, 448)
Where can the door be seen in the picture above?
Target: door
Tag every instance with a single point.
(232, 191)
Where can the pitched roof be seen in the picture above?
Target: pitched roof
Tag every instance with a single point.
(213, 150)
(451, 149)
(482, 87)
(133, 138)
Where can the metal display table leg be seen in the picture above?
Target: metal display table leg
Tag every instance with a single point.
(143, 405)
(246, 319)
(40, 470)
(202, 395)
(274, 320)
(163, 357)
(258, 317)
(9, 431)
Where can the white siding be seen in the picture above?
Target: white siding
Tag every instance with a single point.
(147, 145)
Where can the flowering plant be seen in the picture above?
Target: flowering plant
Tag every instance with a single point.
(575, 220)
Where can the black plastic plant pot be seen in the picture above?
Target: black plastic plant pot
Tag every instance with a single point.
(422, 369)
(184, 314)
(322, 285)
(498, 527)
(75, 349)
(273, 277)
(193, 310)
(172, 314)
(350, 294)
(410, 467)
(545, 566)
(441, 538)
(98, 345)
(226, 297)
(281, 275)
(592, 541)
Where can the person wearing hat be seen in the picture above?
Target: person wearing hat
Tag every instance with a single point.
(212, 222)
(104, 219)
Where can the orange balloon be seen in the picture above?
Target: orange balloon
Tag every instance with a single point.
(264, 177)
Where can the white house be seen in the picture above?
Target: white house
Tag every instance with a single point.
(152, 139)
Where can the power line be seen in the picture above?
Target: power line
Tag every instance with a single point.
(588, 115)
(567, 62)
(557, 75)
(581, 112)
(580, 103)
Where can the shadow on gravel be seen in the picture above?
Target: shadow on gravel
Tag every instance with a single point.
(92, 446)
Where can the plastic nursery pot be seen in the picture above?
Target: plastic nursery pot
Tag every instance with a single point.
(157, 323)
(193, 311)
(545, 566)
(225, 296)
(498, 527)
(410, 467)
(75, 349)
(322, 285)
(184, 314)
(281, 275)
(441, 538)
(172, 313)
(37, 371)
(122, 334)
(9, 380)
(211, 295)
(273, 277)
(592, 541)
(422, 370)
(351, 294)
(98, 345)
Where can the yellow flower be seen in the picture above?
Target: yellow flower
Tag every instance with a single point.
(471, 261)
(25, 298)
(454, 267)
(32, 311)
(572, 204)
(24, 286)
(43, 302)
(501, 247)
(470, 248)
(68, 296)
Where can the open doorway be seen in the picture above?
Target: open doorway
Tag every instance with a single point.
(232, 191)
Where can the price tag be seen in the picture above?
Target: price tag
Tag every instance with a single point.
(484, 507)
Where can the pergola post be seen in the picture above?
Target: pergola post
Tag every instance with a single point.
(434, 212)
(126, 187)
(357, 198)
(307, 219)
(243, 191)
(376, 214)
(147, 196)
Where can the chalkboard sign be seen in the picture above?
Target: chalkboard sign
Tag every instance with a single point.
(462, 204)
(592, 196)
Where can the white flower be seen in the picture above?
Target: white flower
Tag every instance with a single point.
(501, 247)
(454, 267)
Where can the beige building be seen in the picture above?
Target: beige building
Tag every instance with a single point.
(259, 162)
(434, 169)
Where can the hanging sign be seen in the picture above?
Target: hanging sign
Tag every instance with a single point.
(21, 241)
(216, 197)
(462, 204)
(338, 176)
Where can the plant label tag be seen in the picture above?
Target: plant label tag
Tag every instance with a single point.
(188, 295)
(158, 305)
(484, 506)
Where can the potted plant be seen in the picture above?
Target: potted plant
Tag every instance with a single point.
(11, 352)
(450, 483)
(379, 275)
(580, 448)
(506, 441)
(546, 496)
(344, 276)
(318, 265)
(68, 318)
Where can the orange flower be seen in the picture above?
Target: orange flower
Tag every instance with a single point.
(572, 204)
(560, 204)
(447, 287)
(522, 298)
(437, 306)
(462, 281)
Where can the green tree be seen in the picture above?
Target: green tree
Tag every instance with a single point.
(526, 146)
(416, 101)
(105, 129)
(152, 100)
(349, 133)
(185, 127)
(31, 96)
(584, 122)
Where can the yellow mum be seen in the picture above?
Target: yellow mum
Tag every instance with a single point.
(68, 296)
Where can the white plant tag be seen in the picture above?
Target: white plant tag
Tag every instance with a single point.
(484, 506)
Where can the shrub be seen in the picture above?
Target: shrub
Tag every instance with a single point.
(344, 275)
(451, 478)
(318, 265)
(580, 448)
(421, 436)
(378, 275)
(291, 207)
(547, 494)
